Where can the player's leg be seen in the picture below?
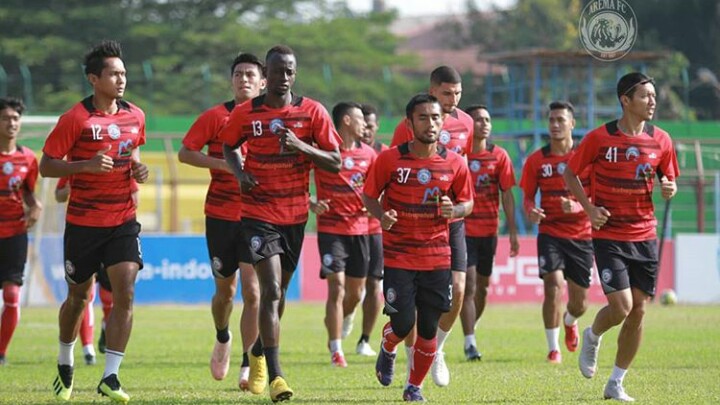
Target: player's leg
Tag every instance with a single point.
(578, 271)
(486, 259)
(399, 289)
(373, 295)
(123, 261)
(248, 319)
(105, 292)
(356, 272)
(354, 291)
(433, 299)
(468, 313)
(334, 257)
(551, 264)
(13, 256)
(87, 327)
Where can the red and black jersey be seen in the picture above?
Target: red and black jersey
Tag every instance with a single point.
(19, 175)
(456, 134)
(623, 175)
(63, 181)
(374, 227)
(99, 199)
(491, 171)
(347, 214)
(543, 170)
(223, 195)
(413, 186)
(281, 196)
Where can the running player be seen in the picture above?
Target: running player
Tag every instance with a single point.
(625, 155)
(222, 219)
(100, 137)
(342, 225)
(493, 179)
(564, 243)
(456, 135)
(280, 129)
(425, 185)
(18, 177)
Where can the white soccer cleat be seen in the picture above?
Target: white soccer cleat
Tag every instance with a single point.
(614, 390)
(588, 355)
(364, 349)
(439, 370)
(220, 359)
(347, 326)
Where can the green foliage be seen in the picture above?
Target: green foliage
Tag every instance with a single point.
(167, 358)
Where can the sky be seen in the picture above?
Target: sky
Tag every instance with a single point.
(409, 8)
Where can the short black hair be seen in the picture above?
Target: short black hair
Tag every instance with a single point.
(12, 103)
(95, 59)
(280, 50)
(341, 110)
(562, 105)
(627, 85)
(422, 98)
(246, 58)
(369, 109)
(469, 109)
(445, 74)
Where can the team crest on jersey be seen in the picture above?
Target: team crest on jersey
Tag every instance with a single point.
(482, 180)
(424, 176)
(327, 260)
(431, 195)
(444, 137)
(632, 153)
(217, 264)
(69, 268)
(114, 131)
(8, 168)
(357, 180)
(391, 295)
(14, 182)
(561, 167)
(475, 165)
(276, 125)
(606, 275)
(255, 243)
(349, 163)
(644, 171)
(125, 148)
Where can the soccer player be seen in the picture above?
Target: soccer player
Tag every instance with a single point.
(425, 185)
(280, 129)
(456, 135)
(222, 219)
(625, 155)
(62, 193)
(100, 136)
(18, 177)
(372, 302)
(342, 225)
(564, 243)
(493, 178)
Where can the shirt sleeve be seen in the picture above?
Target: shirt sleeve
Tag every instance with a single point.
(32, 175)
(62, 137)
(402, 134)
(462, 183)
(669, 165)
(507, 172)
(231, 132)
(528, 183)
(142, 137)
(324, 133)
(379, 176)
(584, 154)
(201, 132)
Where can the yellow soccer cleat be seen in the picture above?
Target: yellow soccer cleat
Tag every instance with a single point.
(110, 387)
(63, 384)
(279, 390)
(258, 374)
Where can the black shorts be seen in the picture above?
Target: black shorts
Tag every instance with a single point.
(88, 248)
(376, 265)
(481, 253)
(103, 279)
(622, 265)
(573, 257)
(13, 256)
(343, 253)
(223, 242)
(458, 248)
(408, 290)
(263, 240)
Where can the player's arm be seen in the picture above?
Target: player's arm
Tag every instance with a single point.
(328, 160)
(100, 163)
(508, 203)
(138, 169)
(528, 184)
(62, 191)
(387, 218)
(233, 158)
(449, 210)
(463, 190)
(598, 215)
(198, 159)
(32, 204)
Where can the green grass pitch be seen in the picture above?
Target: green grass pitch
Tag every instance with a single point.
(167, 361)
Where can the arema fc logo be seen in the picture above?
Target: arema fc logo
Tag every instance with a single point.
(114, 131)
(424, 176)
(608, 29)
(275, 125)
(632, 153)
(8, 168)
(475, 165)
(561, 167)
(255, 243)
(444, 137)
(349, 163)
